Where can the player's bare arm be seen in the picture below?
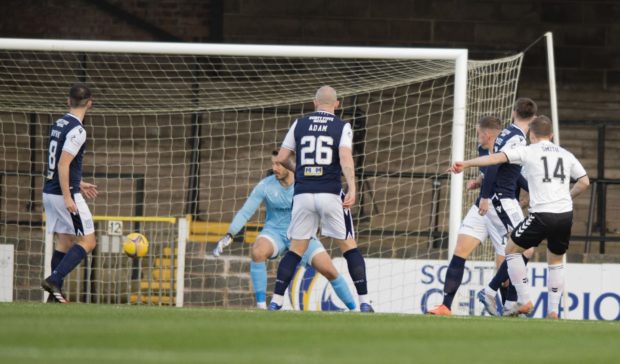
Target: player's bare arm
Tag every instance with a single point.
(89, 190)
(473, 184)
(63, 177)
(348, 169)
(284, 158)
(580, 186)
(488, 160)
(483, 206)
(524, 199)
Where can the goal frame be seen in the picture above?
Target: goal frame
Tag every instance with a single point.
(458, 56)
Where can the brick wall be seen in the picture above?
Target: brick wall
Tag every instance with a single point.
(587, 32)
(184, 19)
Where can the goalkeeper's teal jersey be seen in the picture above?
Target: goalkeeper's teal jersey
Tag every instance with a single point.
(278, 202)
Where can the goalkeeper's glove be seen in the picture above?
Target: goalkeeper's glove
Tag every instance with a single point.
(223, 243)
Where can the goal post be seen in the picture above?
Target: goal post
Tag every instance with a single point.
(458, 148)
(181, 129)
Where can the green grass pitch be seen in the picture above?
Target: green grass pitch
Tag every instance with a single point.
(39, 333)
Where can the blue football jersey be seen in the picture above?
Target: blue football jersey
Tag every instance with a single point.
(502, 180)
(69, 135)
(316, 139)
(278, 202)
(481, 152)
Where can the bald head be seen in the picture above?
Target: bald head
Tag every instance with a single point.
(326, 99)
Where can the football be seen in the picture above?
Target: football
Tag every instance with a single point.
(135, 245)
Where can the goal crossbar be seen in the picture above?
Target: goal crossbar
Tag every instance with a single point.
(267, 50)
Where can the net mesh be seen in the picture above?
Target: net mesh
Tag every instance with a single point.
(176, 136)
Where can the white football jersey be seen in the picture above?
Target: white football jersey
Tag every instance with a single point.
(548, 169)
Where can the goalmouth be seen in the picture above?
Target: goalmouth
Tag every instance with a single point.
(458, 56)
(198, 122)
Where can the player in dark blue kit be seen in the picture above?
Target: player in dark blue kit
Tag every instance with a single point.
(475, 228)
(499, 202)
(322, 144)
(66, 211)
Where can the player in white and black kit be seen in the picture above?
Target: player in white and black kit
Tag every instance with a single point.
(66, 211)
(548, 169)
(322, 144)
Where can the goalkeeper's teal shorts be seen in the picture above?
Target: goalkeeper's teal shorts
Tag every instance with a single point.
(281, 243)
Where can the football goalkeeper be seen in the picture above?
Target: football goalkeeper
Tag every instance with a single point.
(276, 191)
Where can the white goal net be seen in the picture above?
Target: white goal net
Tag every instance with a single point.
(188, 135)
